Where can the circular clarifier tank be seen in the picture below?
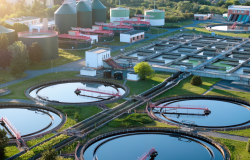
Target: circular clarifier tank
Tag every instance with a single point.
(78, 92)
(168, 146)
(223, 113)
(29, 120)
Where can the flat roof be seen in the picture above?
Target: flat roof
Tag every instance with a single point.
(200, 15)
(22, 19)
(236, 6)
(99, 50)
(133, 32)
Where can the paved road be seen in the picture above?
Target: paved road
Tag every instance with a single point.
(227, 85)
(226, 136)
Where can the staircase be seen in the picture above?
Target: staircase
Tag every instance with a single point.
(234, 25)
(113, 64)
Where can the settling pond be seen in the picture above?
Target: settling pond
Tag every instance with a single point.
(65, 92)
(30, 121)
(223, 113)
(168, 145)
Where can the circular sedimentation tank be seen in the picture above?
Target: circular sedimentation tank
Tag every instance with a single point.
(117, 13)
(224, 112)
(48, 40)
(65, 18)
(158, 17)
(169, 144)
(33, 120)
(84, 15)
(10, 33)
(98, 12)
(79, 92)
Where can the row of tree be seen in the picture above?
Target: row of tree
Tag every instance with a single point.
(18, 56)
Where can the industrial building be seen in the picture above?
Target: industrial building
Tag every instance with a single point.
(65, 18)
(156, 17)
(132, 36)
(10, 34)
(24, 20)
(202, 16)
(48, 40)
(117, 14)
(238, 13)
(42, 26)
(95, 57)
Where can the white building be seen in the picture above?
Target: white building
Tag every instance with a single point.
(95, 57)
(133, 77)
(42, 26)
(132, 36)
(49, 3)
(24, 20)
(88, 72)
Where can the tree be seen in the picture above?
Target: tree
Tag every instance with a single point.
(151, 6)
(56, 29)
(77, 116)
(20, 58)
(138, 11)
(237, 2)
(196, 81)
(144, 70)
(35, 52)
(220, 3)
(5, 58)
(50, 154)
(4, 41)
(247, 3)
(248, 146)
(3, 142)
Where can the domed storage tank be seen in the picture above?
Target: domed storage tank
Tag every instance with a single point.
(159, 17)
(84, 15)
(65, 18)
(98, 12)
(117, 13)
(10, 33)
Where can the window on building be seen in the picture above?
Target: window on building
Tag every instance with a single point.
(141, 36)
(233, 11)
(238, 11)
(242, 11)
(137, 37)
(133, 38)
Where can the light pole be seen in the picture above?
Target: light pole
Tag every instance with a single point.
(51, 67)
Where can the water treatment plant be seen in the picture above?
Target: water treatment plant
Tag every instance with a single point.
(147, 97)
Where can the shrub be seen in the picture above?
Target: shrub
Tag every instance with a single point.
(196, 81)
(248, 145)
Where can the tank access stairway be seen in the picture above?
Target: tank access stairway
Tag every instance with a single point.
(115, 65)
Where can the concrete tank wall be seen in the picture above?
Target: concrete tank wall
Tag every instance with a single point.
(48, 44)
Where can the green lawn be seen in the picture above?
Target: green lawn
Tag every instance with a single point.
(137, 87)
(236, 94)
(112, 105)
(5, 76)
(177, 25)
(185, 88)
(65, 56)
(237, 148)
(116, 42)
(244, 132)
(157, 30)
(38, 140)
(204, 31)
(10, 150)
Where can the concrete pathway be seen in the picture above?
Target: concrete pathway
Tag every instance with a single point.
(19, 100)
(222, 135)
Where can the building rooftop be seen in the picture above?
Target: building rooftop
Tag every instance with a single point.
(235, 6)
(22, 19)
(99, 50)
(133, 32)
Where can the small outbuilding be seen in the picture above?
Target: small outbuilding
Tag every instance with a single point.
(132, 36)
(203, 16)
(95, 57)
(88, 72)
(133, 76)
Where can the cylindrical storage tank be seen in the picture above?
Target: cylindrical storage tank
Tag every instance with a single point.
(10, 33)
(98, 12)
(65, 18)
(117, 13)
(107, 74)
(118, 75)
(84, 15)
(48, 40)
(158, 17)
